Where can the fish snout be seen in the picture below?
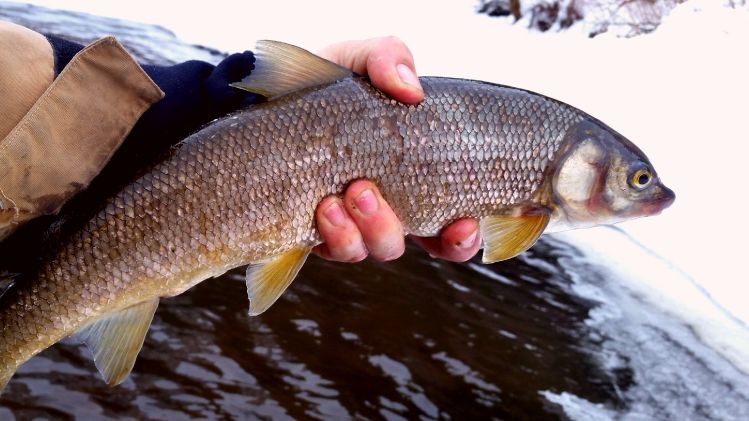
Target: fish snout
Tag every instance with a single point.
(662, 198)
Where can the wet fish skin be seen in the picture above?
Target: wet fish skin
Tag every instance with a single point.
(244, 190)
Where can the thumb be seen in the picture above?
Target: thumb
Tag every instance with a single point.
(387, 62)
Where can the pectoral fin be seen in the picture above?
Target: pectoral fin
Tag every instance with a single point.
(507, 236)
(116, 340)
(282, 68)
(266, 281)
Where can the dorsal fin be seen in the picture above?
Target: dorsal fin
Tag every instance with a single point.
(282, 68)
(116, 339)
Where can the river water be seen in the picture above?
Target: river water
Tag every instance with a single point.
(549, 335)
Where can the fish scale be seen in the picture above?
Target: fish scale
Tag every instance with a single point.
(245, 188)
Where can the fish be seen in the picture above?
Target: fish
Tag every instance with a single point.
(243, 191)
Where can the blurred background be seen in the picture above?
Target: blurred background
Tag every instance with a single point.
(646, 321)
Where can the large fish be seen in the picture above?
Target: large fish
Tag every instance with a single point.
(243, 190)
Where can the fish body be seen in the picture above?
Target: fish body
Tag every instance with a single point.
(244, 189)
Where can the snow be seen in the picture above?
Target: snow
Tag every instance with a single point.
(681, 93)
(578, 408)
(663, 286)
(674, 355)
(692, 126)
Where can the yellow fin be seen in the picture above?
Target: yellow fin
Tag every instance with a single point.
(282, 68)
(116, 339)
(266, 281)
(507, 236)
(4, 379)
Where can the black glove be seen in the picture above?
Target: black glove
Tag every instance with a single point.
(196, 93)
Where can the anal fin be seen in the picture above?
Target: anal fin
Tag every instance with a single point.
(506, 236)
(266, 281)
(116, 339)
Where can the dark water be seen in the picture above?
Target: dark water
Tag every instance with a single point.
(410, 338)
(414, 339)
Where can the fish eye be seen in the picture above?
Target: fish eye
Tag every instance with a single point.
(641, 178)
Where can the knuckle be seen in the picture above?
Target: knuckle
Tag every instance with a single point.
(385, 49)
(391, 40)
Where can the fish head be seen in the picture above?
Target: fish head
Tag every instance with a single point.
(603, 178)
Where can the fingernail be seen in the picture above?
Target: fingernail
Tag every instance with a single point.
(408, 76)
(468, 242)
(334, 214)
(366, 202)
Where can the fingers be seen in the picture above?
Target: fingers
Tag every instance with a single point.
(368, 222)
(387, 62)
(380, 228)
(365, 224)
(342, 240)
(362, 222)
(458, 242)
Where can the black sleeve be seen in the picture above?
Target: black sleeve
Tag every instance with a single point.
(63, 51)
(196, 93)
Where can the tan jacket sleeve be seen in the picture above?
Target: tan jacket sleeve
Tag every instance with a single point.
(67, 129)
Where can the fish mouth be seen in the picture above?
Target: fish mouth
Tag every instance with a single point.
(658, 202)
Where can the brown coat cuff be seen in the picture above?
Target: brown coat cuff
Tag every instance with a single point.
(71, 132)
(27, 66)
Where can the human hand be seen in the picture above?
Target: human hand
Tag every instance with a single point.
(362, 222)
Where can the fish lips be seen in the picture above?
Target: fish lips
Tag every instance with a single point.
(662, 198)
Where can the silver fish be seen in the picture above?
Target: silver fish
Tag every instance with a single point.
(243, 190)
